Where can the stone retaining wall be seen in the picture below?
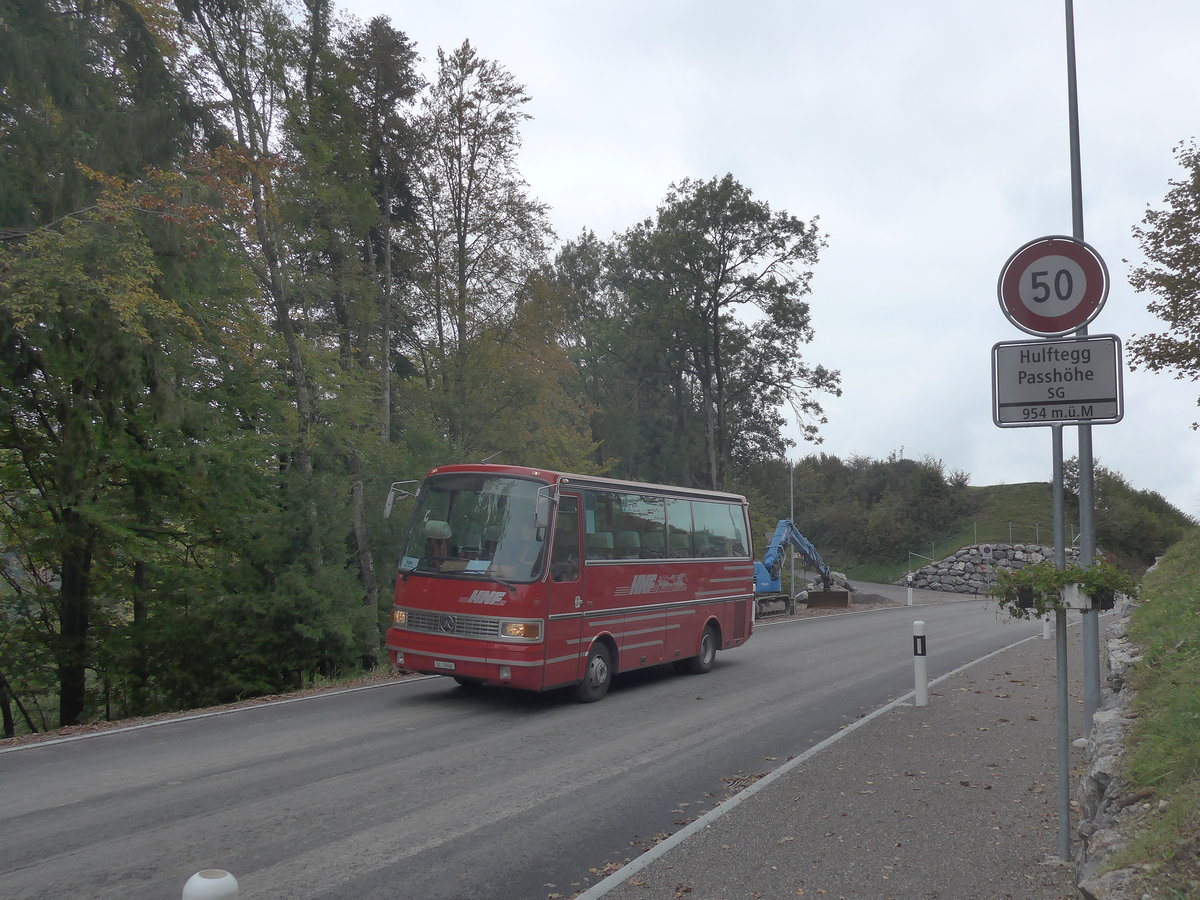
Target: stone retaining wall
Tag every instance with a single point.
(969, 571)
(1101, 794)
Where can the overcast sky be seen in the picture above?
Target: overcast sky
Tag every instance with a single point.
(929, 137)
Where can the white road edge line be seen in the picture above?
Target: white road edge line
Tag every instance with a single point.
(209, 715)
(600, 888)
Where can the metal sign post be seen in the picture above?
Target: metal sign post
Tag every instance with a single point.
(1050, 287)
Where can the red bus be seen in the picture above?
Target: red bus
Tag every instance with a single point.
(539, 580)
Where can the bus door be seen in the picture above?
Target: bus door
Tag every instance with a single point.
(565, 599)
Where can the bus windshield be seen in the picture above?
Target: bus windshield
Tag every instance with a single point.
(476, 525)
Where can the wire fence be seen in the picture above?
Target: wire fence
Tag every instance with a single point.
(1041, 533)
(1022, 533)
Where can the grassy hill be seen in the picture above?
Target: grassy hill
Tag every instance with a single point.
(876, 519)
(999, 513)
(1013, 513)
(1134, 526)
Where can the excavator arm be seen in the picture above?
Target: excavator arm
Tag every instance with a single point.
(767, 572)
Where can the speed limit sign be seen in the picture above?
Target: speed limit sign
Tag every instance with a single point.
(1053, 285)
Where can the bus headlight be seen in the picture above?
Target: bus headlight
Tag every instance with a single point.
(399, 617)
(525, 631)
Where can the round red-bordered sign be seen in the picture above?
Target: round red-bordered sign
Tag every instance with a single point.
(1053, 285)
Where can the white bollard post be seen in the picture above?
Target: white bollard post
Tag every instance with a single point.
(910, 588)
(211, 884)
(920, 669)
(1046, 628)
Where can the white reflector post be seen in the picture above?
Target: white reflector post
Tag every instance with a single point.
(211, 884)
(920, 669)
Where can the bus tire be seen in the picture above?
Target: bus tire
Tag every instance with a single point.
(597, 674)
(703, 661)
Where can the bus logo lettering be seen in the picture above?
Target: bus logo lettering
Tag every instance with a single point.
(655, 584)
(485, 598)
(643, 584)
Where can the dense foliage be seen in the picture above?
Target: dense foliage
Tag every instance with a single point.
(1170, 239)
(874, 511)
(861, 509)
(253, 269)
(687, 331)
(1135, 526)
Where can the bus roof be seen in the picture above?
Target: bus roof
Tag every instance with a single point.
(593, 481)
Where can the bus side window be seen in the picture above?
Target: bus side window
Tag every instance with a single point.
(718, 528)
(643, 524)
(679, 528)
(564, 558)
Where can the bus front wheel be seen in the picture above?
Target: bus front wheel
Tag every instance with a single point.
(597, 675)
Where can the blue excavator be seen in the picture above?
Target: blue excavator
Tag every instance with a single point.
(768, 587)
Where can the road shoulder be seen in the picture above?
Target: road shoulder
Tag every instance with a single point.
(956, 799)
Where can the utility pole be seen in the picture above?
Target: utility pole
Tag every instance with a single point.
(1087, 494)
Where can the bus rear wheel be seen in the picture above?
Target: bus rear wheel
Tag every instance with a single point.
(597, 675)
(703, 661)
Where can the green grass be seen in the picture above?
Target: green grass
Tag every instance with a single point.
(875, 573)
(1002, 513)
(1011, 513)
(1164, 743)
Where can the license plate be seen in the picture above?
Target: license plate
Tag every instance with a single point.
(441, 664)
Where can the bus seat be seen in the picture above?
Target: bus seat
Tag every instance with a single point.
(681, 545)
(628, 545)
(472, 545)
(437, 541)
(600, 545)
(652, 545)
(491, 537)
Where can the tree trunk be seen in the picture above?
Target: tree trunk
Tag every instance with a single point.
(7, 694)
(10, 727)
(141, 662)
(369, 654)
(385, 316)
(708, 404)
(73, 617)
(720, 460)
(679, 398)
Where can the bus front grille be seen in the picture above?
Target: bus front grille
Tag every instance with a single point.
(450, 623)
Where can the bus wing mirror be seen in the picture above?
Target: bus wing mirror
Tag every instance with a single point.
(545, 507)
(397, 491)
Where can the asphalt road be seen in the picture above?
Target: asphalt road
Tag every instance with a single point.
(423, 790)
